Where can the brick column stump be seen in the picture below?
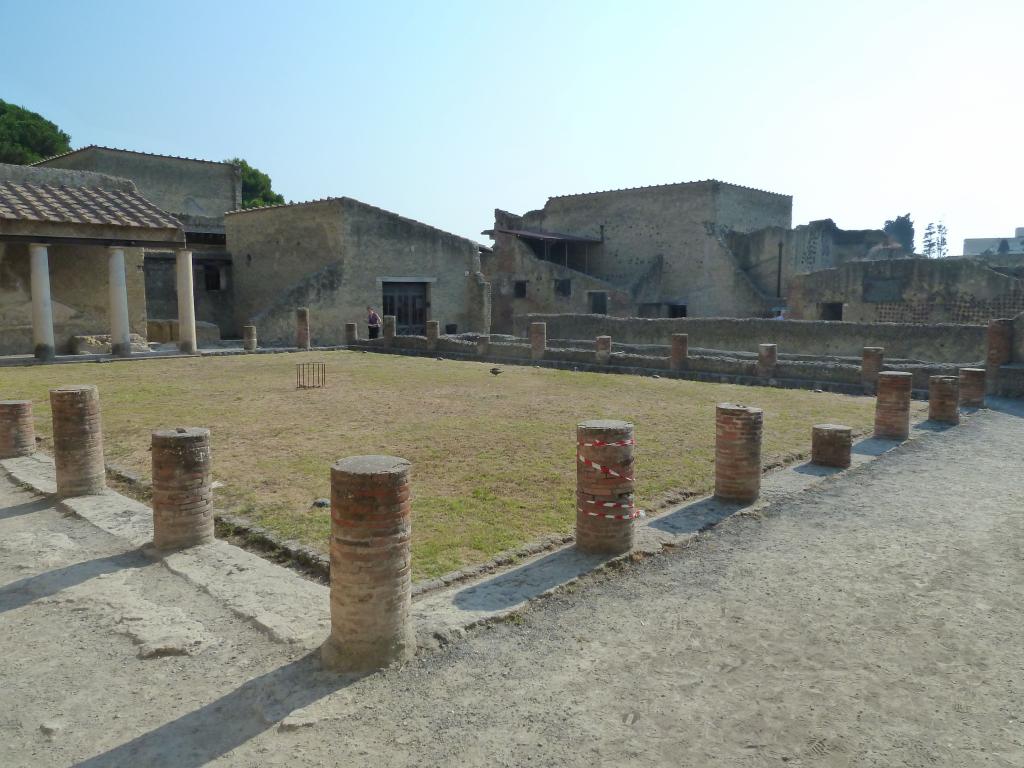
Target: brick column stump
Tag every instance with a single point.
(605, 507)
(351, 333)
(483, 345)
(738, 431)
(603, 349)
(680, 352)
(871, 366)
(303, 336)
(998, 350)
(767, 357)
(433, 332)
(972, 387)
(892, 405)
(77, 440)
(944, 399)
(17, 429)
(390, 329)
(371, 587)
(831, 445)
(249, 338)
(182, 489)
(538, 340)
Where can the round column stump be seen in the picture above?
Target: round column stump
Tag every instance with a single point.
(892, 405)
(871, 366)
(17, 429)
(602, 349)
(182, 492)
(483, 345)
(249, 338)
(433, 332)
(390, 329)
(77, 440)
(767, 357)
(605, 504)
(831, 445)
(944, 399)
(972, 387)
(351, 333)
(303, 335)
(680, 352)
(371, 585)
(538, 340)
(738, 431)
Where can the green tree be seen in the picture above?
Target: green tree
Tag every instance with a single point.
(1004, 247)
(928, 241)
(27, 136)
(941, 248)
(257, 189)
(901, 229)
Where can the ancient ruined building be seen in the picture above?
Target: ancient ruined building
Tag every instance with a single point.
(338, 256)
(697, 249)
(197, 193)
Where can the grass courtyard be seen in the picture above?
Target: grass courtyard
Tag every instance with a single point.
(493, 456)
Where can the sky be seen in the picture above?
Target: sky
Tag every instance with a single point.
(444, 111)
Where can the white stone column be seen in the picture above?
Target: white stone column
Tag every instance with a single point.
(186, 304)
(42, 304)
(120, 333)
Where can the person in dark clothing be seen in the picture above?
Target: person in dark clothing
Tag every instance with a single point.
(373, 322)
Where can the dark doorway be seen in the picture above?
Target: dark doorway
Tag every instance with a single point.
(408, 303)
(677, 310)
(598, 302)
(832, 310)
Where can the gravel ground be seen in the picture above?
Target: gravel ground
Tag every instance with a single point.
(873, 620)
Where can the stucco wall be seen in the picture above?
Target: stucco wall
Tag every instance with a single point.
(331, 255)
(931, 343)
(909, 291)
(78, 286)
(194, 188)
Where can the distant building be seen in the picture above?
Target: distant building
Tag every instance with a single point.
(991, 246)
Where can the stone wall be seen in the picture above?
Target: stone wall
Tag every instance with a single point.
(333, 255)
(213, 304)
(933, 343)
(78, 286)
(909, 291)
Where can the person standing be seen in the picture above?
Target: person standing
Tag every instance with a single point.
(373, 322)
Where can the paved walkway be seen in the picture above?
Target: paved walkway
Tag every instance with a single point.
(873, 618)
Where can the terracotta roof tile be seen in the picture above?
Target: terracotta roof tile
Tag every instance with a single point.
(80, 205)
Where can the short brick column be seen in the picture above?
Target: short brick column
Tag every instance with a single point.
(483, 345)
(303, 335)
(17, 429)
(603, 349)
(390, 329)
(892, 405)
(738, 452)
(182, 488)
(831, 445)
(351, 333)
(767, 357)
(998, 350)
(972, 387)
(249, 338)
(371, 587)
(77, 440)
(538, 340)
(433, 332)
(605, 506)
(871, 365)
(680, 352)
(944, 399)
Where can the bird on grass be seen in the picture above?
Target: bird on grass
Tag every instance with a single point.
(495, 371)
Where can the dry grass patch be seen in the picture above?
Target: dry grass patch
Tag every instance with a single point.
(493, 456)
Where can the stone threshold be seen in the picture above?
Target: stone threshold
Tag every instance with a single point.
(294, 610)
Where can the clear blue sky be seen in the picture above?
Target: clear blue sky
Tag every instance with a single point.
(443, 111)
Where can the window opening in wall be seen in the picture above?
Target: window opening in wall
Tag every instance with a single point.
(598, 302)
(519, 289)
(677, 310)
(211, 277)
(563, 287)
(832, 310)
(651, 309)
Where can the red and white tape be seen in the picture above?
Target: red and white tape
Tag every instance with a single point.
(613, 444)
(601, 467)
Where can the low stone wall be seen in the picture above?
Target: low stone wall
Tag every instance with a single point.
(942, 343)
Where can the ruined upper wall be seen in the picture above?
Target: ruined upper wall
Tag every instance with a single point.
(199, 192)
(29, 174)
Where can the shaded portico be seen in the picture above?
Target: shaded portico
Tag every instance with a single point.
(75, 224)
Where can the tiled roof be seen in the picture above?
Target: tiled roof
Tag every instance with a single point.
(126, 151)
(80, 205)
(671, 184)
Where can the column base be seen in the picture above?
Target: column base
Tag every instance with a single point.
(44, 353)
(187, 347)
(366, 657)
(121, 350)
